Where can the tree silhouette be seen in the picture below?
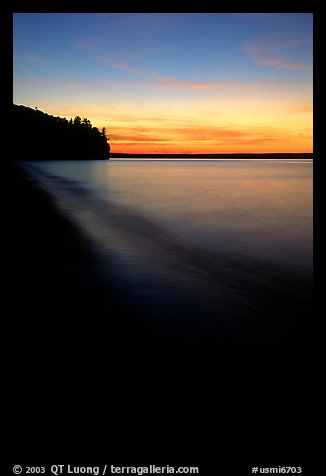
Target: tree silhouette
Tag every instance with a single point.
(77, 121)
(86, 122)
(45, 137)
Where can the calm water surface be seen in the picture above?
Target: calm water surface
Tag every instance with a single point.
(214, 245)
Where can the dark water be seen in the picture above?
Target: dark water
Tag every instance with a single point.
(216, 255)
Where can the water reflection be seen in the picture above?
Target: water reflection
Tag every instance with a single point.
(217, 253)
(260, 209)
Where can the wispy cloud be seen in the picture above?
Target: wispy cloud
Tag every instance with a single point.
(271, 53)
(205, 138)
(159, 81)
(203, 134)
(168, 82)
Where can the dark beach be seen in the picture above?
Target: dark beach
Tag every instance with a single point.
(63, 312)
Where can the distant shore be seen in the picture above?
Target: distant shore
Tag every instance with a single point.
(294, 156)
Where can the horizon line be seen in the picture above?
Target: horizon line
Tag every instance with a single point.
(217, 154)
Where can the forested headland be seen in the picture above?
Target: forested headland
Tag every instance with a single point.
(41, 136)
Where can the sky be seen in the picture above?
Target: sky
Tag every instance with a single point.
(172, 82)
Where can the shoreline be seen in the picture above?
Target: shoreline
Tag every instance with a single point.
(62, 307)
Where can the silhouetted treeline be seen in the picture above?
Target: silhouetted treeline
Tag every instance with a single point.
(41, 136)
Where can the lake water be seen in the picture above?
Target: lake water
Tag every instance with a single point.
(220, 249)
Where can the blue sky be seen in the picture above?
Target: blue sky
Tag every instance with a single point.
(179, 70)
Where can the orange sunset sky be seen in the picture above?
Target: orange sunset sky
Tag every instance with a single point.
(173, 82)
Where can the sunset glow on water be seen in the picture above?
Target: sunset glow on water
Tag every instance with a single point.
(202, 248)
